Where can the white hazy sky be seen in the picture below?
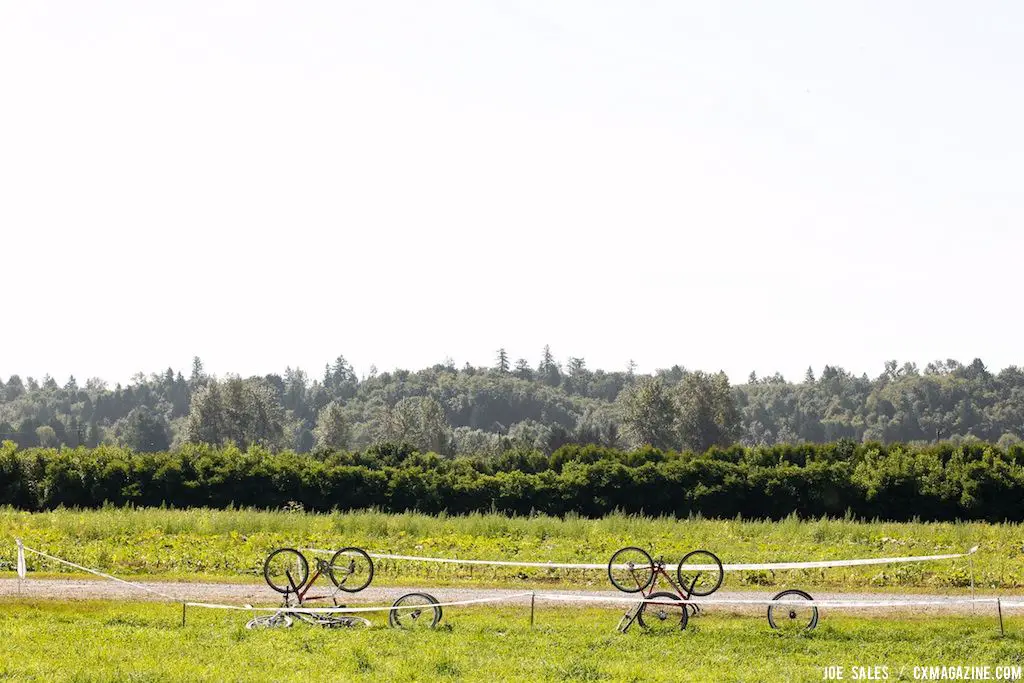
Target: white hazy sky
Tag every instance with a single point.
(738, 186)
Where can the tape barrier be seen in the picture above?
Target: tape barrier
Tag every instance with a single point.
(576, 599)
(850, 604)
(93, 571)
(763, 566)
(332, 610)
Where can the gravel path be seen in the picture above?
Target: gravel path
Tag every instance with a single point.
(71, 589)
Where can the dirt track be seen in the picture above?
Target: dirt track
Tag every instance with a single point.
(65, 589)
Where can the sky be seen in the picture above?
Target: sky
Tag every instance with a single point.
(735, 186)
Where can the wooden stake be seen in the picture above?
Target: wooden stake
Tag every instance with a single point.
(533, 600)
(183, 606)
(999, 606)
(974, 606)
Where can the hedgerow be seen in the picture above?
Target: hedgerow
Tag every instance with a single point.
(893, 482)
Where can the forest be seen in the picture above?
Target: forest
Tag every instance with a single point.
(516, 405)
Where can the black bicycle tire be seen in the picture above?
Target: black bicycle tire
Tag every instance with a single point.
(683, 620)
(679, 573)
(334, 579)
(299, 582)
(437, 603)
(813, 624)
(650, 574)
(394, 620)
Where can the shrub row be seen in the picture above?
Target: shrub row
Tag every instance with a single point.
(944, 482)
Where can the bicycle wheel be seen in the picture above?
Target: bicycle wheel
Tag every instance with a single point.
(663, 618)
(419, 611)
(631, 570)
(351, 569)
(437, 606)
(790, 615)
(700, 573)
(342, 622)
(282, 564)
(629, 617)
(277, 620)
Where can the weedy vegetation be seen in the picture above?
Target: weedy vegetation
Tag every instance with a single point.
(202, 544)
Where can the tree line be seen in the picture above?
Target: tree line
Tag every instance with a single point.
(936, 482)
(515, 404)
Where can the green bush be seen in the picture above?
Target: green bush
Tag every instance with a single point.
(894, 482)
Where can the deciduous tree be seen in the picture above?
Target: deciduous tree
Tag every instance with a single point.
(649, 414)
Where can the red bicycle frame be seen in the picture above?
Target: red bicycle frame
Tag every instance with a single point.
(301, 592)
(646, 589)
(657, 568)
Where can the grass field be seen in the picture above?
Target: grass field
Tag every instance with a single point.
(145, 642)
(231, 545)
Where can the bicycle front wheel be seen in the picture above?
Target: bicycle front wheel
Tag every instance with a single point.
(700, 573)
(631, 570)
(351, 569)
(663, 617)
(286, 570)
(327, 621)
(415, 611)
(790, 613)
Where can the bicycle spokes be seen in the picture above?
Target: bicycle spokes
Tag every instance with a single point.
(631, 570)
(415, 611)
(700, 573)
(351, 569)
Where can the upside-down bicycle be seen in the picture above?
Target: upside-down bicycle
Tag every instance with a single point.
(286, 570)
(698, 574)
(632, 570)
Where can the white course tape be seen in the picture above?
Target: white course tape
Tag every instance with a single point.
(577, 598)
(816, 564)
(331, 610)
(572, 598)
(851, 604)
(98, 573)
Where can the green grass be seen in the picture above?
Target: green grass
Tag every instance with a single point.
(231, 545)
(145, 642)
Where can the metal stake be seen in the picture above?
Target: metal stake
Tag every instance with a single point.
(533, 600)
(183, 606)
(974, 605)
(999, 606)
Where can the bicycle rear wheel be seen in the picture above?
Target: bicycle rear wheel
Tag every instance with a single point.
(282, 564)
(663, 617)
(351, 569)
(331, 621)
(418, 611)
(276, 620)
(631, 569)
(700, 573)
